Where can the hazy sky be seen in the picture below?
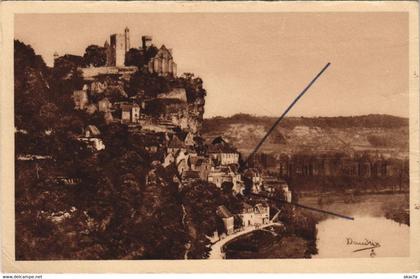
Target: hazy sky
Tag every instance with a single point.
(257, 63)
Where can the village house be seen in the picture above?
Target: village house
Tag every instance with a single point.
(201, 165)
(227, 218)
(274, 185)
(175, 145)
(91, 137)
(254, 215)
(222, 153)
(221, 174)
(104, 105)
(262, 214)
(254, 176)
(182, 166)
(189, 139)
(81, 99)
(247, 215)
(130, 113)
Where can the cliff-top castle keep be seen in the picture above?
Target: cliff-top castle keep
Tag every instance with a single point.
(116, 50)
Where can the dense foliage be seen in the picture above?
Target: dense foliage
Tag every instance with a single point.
(73, 203)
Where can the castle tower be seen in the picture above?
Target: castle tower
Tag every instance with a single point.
(127, 39)
(146, 41)
(117, 47)
(108, 52)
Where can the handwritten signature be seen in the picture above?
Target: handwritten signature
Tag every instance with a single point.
(369, 245)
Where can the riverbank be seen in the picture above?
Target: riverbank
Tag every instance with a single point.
(265, 244)
(316, 193)
(376, 218)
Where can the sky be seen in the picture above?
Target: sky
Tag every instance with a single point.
(257, 63)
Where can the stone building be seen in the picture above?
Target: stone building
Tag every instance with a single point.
(254, 176)
(256, 215)
(175, 145)
(222, 153)
(227, 218)
(91, 137)
(222, 174)
(81, 99)
(201, 165)
(104, 105)
(163, 63)
(117, 48)
(130, 113)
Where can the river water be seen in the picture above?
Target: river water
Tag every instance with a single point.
(339, 237)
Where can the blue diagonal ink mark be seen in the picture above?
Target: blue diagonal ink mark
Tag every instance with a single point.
(286, 111)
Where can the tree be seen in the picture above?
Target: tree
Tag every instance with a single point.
(135, 57)
(227, 188)
(94, 56)
(201, 200)
(49, 115)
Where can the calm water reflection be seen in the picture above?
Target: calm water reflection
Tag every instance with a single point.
(339, 237)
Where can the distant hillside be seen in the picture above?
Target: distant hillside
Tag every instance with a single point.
(385, 133)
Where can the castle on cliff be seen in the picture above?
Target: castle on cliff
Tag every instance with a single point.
(116, 49)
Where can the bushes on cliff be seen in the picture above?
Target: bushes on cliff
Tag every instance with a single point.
(110, 212)
(94, 56)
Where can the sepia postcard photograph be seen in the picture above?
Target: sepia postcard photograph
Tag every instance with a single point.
(235, 137)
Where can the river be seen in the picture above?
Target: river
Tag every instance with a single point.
(339, 237)
(370, 232)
